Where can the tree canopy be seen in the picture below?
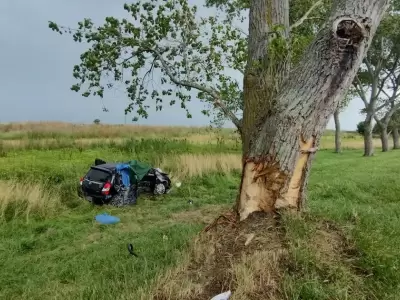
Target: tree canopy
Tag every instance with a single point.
(166, 53)
(161, 51)
(379, 75)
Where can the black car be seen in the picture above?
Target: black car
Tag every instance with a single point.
(103, 184)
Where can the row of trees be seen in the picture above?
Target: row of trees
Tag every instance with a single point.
(392, 129)
(294, 65)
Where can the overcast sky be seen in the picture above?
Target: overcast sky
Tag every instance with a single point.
(36, 68)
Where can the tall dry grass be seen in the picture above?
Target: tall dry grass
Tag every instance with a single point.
(56, 143)
(52, 135)
(191, 165)
(57, 129)
(25, 199)
(210, 138)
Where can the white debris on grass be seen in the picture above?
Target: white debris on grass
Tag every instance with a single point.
(223, 296)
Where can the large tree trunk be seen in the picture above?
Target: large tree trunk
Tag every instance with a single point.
(286, 128)
(264, 74)
(368, 138)
(384, 139)
(338, 142)
(395, 134)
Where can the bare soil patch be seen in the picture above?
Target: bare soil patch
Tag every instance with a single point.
(250, 258)
(242, 257)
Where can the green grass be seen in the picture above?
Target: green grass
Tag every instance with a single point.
(362, 196)
(70, 256)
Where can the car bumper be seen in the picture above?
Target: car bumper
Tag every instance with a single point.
(93, 198)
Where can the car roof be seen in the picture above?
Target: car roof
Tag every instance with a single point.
(107, 166)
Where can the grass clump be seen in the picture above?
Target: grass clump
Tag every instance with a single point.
(18, 199)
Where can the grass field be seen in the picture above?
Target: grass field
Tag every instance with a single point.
(344, 247)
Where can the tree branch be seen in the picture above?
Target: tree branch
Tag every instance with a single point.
(241, 31)
(378, 121)
(369, 67)
(380, 107)
(374, 83)
(212, 92)
(386, 119)
(360, 91)
(389, 73)
(305, 17)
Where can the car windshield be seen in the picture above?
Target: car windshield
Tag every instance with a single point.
(98, 175)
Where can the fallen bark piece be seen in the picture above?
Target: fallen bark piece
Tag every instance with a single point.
(249, 238)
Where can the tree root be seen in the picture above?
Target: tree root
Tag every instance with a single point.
(228, 218)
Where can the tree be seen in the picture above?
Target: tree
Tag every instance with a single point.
(395, 135)
(391, 39)
(165, 40)
(96, 121)
(285, 110)
(338, 141)
(306, 18)
(395, 124)
(393, 128)
(385, 121)
(342, 106)
(380, 76)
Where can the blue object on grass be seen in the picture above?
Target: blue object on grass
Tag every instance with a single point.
(107, 219)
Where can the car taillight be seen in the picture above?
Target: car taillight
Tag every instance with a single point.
(80, 181)
(106, 188)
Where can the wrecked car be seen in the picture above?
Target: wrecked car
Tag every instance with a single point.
(119, 184)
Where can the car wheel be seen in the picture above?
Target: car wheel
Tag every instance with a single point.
(159, 189)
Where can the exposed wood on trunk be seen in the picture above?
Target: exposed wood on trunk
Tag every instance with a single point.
(258, 189)
(294, 191)
(275, 167)
(338, 142)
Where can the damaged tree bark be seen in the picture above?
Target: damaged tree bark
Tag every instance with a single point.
(283, 129)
